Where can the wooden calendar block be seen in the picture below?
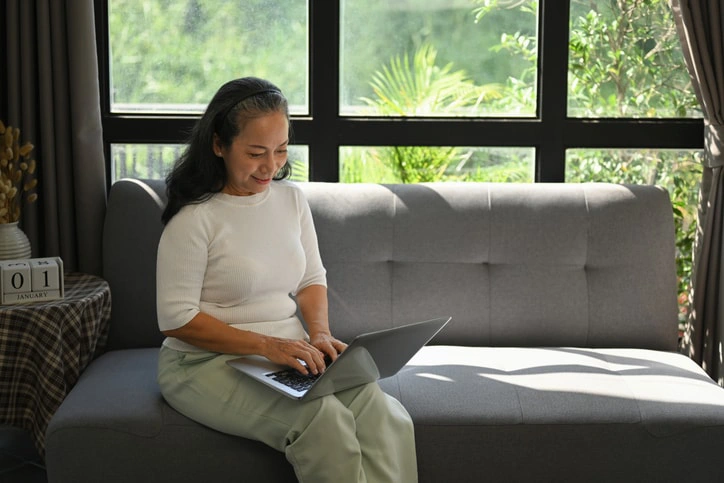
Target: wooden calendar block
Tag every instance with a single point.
(15, 276)
(45, 274)
(31, 280)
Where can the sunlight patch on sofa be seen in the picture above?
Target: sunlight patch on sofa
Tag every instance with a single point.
(436, 377)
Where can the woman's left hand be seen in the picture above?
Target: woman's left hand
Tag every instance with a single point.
(325, 342)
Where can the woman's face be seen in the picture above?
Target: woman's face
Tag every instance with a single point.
(255, 154)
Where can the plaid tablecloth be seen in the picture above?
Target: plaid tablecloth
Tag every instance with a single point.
(44, 347)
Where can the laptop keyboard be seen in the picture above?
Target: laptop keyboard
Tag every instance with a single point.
(294, 379)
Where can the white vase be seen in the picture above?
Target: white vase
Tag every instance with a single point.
(14, 243)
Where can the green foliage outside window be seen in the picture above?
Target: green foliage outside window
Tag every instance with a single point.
(417, 86)
(179, 52)
(623, 61)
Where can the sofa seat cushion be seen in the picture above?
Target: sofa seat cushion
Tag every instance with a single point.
(554, 414)
(556, 411)
(121, 430)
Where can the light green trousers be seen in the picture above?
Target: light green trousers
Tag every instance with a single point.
(360, 434)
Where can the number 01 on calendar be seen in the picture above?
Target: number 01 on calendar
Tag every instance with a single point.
(31, 280)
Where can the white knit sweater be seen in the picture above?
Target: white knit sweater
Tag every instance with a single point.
(238, 259)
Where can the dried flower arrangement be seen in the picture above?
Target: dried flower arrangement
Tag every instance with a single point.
(17, 174)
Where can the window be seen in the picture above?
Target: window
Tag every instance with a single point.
(170, 56)
(436, 58)
(620, 62)
(522, 74)
(420, 164)
(470, 90)
(151, 160)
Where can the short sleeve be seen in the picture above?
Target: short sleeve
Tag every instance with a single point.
(180, 268)
(315, 273)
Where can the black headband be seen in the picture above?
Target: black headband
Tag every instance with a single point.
(238, 101)
(258, 92)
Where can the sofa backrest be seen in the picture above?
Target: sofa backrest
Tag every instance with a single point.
(131, 233)
(586, 265)
(513, 264)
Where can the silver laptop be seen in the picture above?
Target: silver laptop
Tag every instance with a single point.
(370, 356)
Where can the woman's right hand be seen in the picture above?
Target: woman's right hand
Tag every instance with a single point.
(289, 352)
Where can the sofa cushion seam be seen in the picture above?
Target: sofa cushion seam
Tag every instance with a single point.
(585, 268)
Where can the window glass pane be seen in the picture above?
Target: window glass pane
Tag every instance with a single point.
(418, 164)
(677, 171)
(172, 56)
(438, 57)
(625, 60)
(143, 161)
(154, 161)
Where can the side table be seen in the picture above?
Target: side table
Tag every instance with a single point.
(45, 346)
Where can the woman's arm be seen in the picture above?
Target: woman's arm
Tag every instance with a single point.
(209, 333)
(313, 305)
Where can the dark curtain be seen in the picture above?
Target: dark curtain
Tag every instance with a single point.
(51, 92)
(699, 24)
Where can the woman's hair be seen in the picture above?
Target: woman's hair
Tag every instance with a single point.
(198, 173)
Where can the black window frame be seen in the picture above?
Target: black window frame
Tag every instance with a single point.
(324, 131)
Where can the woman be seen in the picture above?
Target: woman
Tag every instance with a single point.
(238, 240)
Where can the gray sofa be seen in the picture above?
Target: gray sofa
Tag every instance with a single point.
(559, 363)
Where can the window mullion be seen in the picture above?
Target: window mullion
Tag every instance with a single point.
(552, 90)
(322, 135)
